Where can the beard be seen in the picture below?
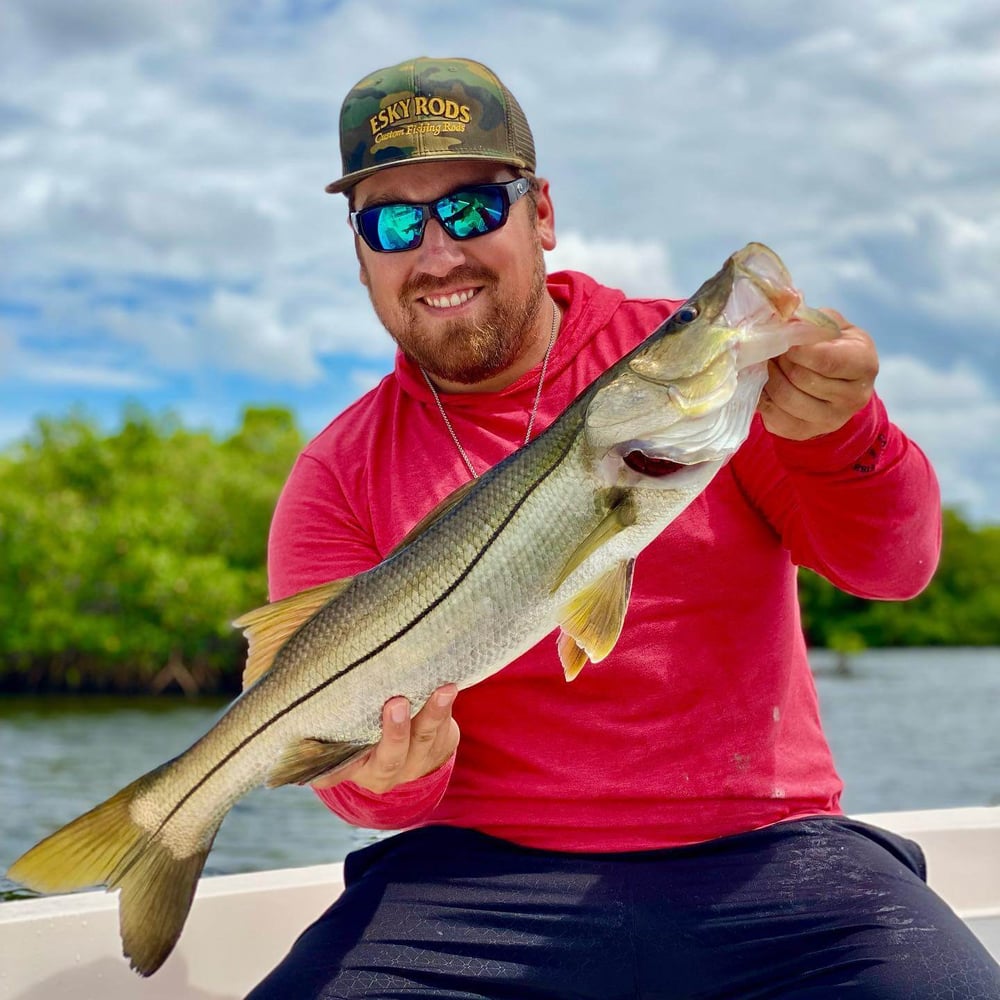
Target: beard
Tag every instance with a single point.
(466, 352)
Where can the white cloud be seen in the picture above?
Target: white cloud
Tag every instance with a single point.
(162, 166)
(68, 367)
(954, 416)
(83, 375)
(276, 337)
(639, 268)
(247, 334)
(65, 28)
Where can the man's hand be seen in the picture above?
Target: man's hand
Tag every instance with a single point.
(817, 388)
(409, 748)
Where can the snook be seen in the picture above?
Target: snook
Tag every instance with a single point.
(546, 539)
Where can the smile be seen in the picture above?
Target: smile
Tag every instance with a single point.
(451, 301)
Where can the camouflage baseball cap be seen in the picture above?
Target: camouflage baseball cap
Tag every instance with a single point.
(430, 109)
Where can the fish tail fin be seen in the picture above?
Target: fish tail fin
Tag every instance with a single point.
(107, 847)
(156, 895)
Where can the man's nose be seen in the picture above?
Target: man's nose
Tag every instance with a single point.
(439, 253)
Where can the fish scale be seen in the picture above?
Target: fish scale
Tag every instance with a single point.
(544, 540)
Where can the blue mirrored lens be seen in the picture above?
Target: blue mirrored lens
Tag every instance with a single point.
(471, 213)
(392, 227)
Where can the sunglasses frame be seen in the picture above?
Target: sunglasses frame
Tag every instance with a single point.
(512, 192)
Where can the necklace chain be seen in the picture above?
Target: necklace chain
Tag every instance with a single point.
(534, 406)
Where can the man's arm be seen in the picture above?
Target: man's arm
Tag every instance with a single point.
(850, 495)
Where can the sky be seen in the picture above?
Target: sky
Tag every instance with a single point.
(165, 237)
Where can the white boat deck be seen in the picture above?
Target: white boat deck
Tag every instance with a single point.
(67, 947)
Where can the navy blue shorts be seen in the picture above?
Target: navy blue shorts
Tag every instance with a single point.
(818, 908)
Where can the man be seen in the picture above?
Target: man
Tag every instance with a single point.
(669, 826)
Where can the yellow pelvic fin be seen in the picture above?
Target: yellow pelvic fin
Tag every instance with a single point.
(620, 516)
(452, 500)
(106, 847)
(307, 759)
(268, 628)
(592, 620)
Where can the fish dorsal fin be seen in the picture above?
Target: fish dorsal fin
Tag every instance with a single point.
(305, 760)
(619, 517)
(268, 628)
(452, 500)
(592, 619)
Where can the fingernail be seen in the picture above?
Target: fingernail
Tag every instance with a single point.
(399, 712)
(445, 698)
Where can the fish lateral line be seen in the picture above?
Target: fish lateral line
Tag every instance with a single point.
(408, 627)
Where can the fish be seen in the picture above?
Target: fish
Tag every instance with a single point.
(546, 540)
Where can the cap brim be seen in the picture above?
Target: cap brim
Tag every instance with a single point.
(348, 181)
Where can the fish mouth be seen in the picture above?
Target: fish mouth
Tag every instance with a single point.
(766, 309)
(692, 389)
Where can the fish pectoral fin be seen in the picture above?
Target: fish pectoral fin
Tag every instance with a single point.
(452, 500)
(619, 517)
(592, 620)
(268, 628)
(307, 759)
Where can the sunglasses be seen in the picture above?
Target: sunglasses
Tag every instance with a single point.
(464, 214)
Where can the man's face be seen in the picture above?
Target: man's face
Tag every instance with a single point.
(464, 310)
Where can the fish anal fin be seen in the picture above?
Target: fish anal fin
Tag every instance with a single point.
(307, 759)
(572, 657)
(619, 517)
(592, 619)
(452, 500)
(267, 629)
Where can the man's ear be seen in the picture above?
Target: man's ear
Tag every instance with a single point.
(545, 216)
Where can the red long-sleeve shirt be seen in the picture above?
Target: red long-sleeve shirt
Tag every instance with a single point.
(703, 721)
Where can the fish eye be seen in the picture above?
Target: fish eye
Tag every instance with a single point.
(686, 314)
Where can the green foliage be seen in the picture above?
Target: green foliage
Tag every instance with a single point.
(122, 553)
(960, 607)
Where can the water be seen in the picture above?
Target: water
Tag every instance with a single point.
(914, 729)
(61, 756)
(910, 729)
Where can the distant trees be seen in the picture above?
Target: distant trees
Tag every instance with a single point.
(961, 607)
(124, 556)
